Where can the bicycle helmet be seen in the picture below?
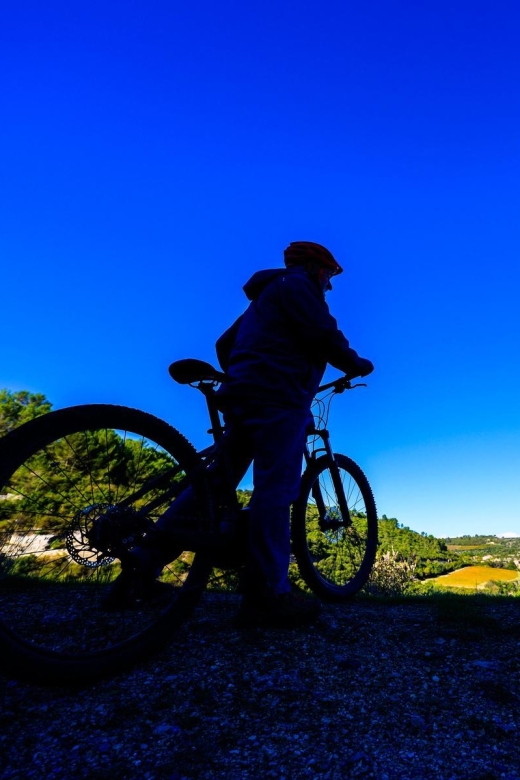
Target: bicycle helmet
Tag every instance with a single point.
(302, 252)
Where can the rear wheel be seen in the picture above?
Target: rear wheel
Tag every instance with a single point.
(334, 528)
(79, 488)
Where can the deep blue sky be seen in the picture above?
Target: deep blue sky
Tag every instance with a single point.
(155, 155)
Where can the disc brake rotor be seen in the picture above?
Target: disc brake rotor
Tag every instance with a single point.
(99, 533)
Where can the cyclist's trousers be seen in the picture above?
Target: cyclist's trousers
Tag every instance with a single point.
(273, 438)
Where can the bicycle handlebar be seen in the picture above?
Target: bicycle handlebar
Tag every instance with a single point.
(340, 385)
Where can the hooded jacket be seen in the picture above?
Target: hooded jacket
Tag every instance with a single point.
(277, 351)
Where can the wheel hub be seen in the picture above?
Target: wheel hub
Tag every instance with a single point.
(99, 533)
(331, 521)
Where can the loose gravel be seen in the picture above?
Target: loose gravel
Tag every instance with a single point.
(408, 691)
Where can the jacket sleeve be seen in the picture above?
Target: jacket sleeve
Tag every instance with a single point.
(225, 343)
(314, 326)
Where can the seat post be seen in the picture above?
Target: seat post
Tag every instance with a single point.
(216, 425)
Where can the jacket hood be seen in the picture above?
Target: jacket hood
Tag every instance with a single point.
(261, 279)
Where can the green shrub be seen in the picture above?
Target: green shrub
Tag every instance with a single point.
(391, 575)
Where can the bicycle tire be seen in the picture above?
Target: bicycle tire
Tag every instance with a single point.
(334, 558)
(58, 474)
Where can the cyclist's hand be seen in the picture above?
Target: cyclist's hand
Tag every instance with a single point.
(365, 366)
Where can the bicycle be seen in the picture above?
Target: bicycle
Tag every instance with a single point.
(82, 486)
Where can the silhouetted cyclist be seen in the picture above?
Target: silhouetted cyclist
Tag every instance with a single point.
(274, 357)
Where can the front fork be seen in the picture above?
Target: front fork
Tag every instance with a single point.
(326, 521)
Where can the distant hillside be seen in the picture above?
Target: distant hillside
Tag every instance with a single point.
(430, 555)
(439, 556)
(494, 551)
(481, 540)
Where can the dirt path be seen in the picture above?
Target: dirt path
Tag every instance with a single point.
(401, 691)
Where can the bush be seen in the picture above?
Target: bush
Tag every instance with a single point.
(505, 588)
(391, 575)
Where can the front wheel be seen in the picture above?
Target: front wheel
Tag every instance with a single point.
(334, 528)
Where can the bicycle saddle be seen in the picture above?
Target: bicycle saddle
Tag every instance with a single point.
(190, 370)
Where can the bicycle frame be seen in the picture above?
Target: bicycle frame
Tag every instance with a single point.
(216, 454)
(217, 451)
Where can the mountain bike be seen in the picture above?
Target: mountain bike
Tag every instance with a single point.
(81, 487)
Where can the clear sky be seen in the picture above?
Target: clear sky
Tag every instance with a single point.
(155, 154)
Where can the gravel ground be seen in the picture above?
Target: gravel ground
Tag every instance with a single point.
(374, 690)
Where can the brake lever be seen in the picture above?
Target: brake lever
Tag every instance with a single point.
(345, 384)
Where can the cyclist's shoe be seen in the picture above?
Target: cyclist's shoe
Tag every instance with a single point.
(288, 610)
(133, 589)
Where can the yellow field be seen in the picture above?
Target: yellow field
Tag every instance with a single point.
(474, 577)
(464, 547)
